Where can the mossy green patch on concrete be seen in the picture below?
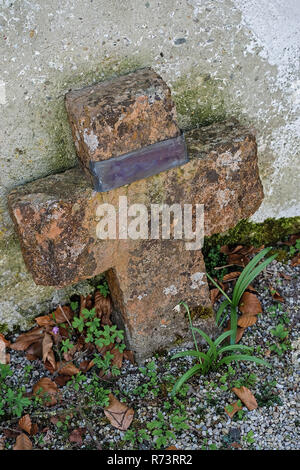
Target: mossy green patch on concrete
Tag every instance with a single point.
(21, 298)
(201, 312)
(199, 101)
(257, 234)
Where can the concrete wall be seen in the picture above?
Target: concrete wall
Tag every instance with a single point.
(220, 57)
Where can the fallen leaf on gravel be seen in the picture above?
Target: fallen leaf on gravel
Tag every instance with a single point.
(5, 341)
(35, 351)
(119, 415)
(246, 396)
(232, 409)
(117, 360)
(46, 387)
(76, 436)
(48, 354)
(26, 339)
(238, 259)
(62, 317)
(249, 304)
(84, 366)
(247, 320)
(45, 320)
(276, 296)
(2, 443)
(230, 276)
(171, 448)
(295, 260)
(214, 295)
(129, 356)
(68, 356)
(61, 380)
(267, 353)
(23, 443)
(239, 332)
(67, 368)
(25, 423)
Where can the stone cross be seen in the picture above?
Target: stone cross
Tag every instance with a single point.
(56, 217)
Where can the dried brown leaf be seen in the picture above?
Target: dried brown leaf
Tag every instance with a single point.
(45, 320)
(61, 380)
(45, 387)
(48, 354)
(76, 436)
(129, 356)
(214, 295)
(2, 443)
(295, 260)
(249, 304)
(4, 340)
(119, 415)
(239, 332)
(63, 314)
(117, 360)
(26, 339)
(23, 443)
(35, 351)
(25, 423)
(238, 259)
(246, 396)
(231, 276)
(67, 368)
(247, 320)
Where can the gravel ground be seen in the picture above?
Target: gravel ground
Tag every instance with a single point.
(273, 425)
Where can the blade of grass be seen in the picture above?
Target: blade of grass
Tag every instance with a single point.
(252, 276)
(185, 377)
(249, 268)
(221, 309)
(243, 357)
(218, 287)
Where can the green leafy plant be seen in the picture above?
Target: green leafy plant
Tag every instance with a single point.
(12, 399)
(267, 396)
(282, 344)
(215, 357)
(160, 431)
(249, 273)
(151, 386)
(104, 289)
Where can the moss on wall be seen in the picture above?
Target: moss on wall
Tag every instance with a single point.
(199, 101)
(249, 233)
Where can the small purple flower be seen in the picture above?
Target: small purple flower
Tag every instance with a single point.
(55, 330)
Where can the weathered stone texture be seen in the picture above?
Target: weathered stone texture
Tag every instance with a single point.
(118, 116)
(56, 221)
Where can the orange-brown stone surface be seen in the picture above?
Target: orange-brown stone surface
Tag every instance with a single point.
(56, 221)
(114, 117)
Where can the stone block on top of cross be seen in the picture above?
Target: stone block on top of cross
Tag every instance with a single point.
(125, 129)
(57, 220)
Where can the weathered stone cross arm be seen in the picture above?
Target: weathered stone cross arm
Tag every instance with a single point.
(56, 221)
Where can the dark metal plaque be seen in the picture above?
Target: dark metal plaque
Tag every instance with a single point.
(133, 166)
